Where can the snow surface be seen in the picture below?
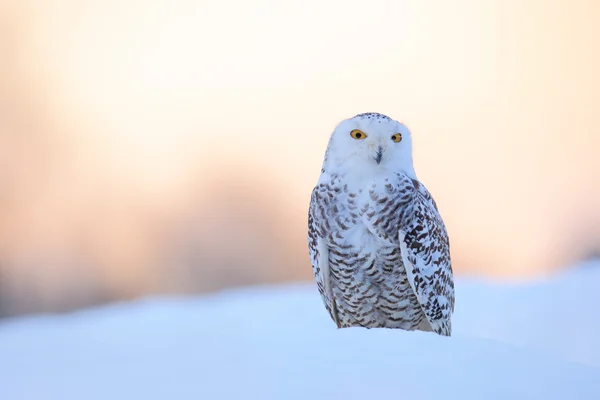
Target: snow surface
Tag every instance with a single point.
(527, 341)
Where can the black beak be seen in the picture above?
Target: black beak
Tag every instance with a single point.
(378, 155)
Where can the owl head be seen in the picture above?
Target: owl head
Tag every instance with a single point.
(368, 144)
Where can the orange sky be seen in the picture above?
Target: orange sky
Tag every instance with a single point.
(152, 102)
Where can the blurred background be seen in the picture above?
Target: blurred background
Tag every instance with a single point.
(159, 147)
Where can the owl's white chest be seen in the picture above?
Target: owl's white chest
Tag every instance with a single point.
(368, 278)
(363, 204)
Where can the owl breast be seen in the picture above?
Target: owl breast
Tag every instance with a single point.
(367, 277)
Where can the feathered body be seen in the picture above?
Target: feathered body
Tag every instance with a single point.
(378, 245)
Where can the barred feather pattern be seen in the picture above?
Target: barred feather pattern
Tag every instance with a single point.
(380, 255)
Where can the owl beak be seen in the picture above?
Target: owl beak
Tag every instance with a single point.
(378, 155)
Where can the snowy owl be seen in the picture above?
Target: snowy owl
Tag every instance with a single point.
(377, 243)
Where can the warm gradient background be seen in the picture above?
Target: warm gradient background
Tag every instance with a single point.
(171, 146)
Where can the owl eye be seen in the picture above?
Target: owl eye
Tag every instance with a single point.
(358, 134)
(397, 137)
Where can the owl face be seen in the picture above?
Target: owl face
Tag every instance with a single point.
(371, 143)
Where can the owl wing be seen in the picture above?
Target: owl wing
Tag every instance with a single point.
(319, 252)
(425, 253)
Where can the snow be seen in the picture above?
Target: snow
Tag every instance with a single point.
(524, 341)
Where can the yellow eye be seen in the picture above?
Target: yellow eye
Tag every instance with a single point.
(358, 134)
(397, 137)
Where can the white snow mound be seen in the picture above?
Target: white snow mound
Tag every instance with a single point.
(522, 342)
